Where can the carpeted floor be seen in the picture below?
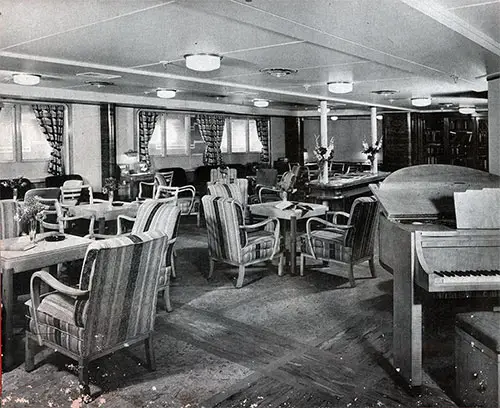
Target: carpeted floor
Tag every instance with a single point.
(288, 341)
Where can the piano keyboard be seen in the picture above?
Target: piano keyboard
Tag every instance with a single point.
(466, 277)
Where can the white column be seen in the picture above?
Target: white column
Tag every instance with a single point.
(324, 134)
(494, 126)
(373, 122)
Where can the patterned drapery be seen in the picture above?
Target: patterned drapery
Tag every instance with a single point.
(51, 120)
(263, 134)
(147, 122)
(211, 128)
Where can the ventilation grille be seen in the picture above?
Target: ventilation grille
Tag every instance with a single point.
(98, 76)
(278, 72)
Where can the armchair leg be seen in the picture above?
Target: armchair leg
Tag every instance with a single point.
(150, 354)
(281, 264)
(211, 268)
(302, 264)
(371, 262)
(166, 299)
(241, 276)
(351, 275)
(30, 348)
(172, 263)
(83, 378)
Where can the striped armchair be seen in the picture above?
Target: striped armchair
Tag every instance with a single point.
(237, 190)
(113, 308)
(165, 217)
(233, 242)
(350, 243)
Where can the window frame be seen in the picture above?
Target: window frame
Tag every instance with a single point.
(17, 142)
(229, 130)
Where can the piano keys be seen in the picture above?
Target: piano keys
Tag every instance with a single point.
(420, 245)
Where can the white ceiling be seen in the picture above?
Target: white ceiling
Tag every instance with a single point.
(441, 48)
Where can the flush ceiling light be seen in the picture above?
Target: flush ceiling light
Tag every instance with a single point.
(334, 117)
(380, 117)
(203, 62)
(166, 93)
(340, 87)
(467, 110)
(426, 101)
(26, 79)
(260, 103)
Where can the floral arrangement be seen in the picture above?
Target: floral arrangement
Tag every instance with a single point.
(372, 150)
(110, 184)
(14, 183)
(323, 154)
(31, 209)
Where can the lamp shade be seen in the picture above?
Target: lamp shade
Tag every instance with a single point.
(166, 93)
(26, 79)
(421, 101)
(467, 110)
(203, 62)
(340, 87)
(260, 103)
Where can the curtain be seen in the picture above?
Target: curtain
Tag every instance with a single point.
(51, 120)
(147, 122)
(263, 135)
(211, 128)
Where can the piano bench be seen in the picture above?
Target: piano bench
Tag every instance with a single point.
(477, 359)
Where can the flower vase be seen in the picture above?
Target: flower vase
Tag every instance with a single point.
(32, 229)
(323, 173)
(111, 196)
(14, 193)
(373, 165)
(284, 196)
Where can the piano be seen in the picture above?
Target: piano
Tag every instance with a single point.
(420, 244)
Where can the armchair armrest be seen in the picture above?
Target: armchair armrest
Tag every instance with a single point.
(42, 276)
(336, 214)
(271, 189)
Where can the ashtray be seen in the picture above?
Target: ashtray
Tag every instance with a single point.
(116, 204)
(55, 238)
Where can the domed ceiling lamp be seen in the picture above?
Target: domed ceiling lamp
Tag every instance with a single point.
(340, 87)
(166, 93)
(467, 110)
(203, 62)
(261, 103)
(26, 79)
(334, 117)
(421, 101)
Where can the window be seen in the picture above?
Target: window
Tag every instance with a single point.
(21, 137)
(241, 135)
(169, 137)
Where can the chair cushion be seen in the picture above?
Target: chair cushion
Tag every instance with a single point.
(56, 319)
(326, 244)
(260, 245)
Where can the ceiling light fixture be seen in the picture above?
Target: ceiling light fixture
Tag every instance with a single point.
(327, 109)
(421, 101)
(278, 72)
(467, 110)
(261, 103)
(379, 117)
(340, 87)
(334, 117)
(26, 79)
(166, 93)
(203, 62)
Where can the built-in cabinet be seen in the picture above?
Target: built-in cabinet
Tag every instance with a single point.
(460, 140)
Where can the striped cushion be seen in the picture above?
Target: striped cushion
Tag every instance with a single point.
(260, 245)
(157, 215)
(9, 227)
(237, 190)
(326, 244)
(223, 217)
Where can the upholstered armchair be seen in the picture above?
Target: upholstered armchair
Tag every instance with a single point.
(273, 193)
(162, 216)
(113, 307)
(351, 242)
(231, 241)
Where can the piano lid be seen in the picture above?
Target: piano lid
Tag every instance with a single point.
(425, 192)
